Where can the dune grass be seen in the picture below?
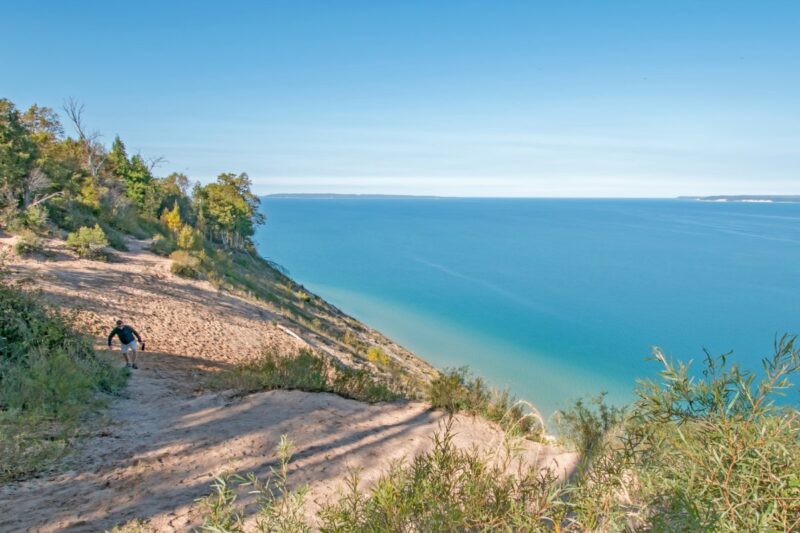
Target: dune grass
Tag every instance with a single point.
(456, 390)
(717, 450)
(305, 371)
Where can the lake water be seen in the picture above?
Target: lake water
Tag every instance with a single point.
(555, 299)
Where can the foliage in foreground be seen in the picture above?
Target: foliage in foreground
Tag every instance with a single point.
(455, 390)
(716, 452)
(49, 380)
(306, 371)
(280, 510)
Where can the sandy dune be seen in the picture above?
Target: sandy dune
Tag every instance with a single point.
(166, 437)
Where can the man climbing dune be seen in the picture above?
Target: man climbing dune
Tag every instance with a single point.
(126, 336)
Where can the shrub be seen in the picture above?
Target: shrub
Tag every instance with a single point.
(185, 265)
(28, 243)
(49, 380)
(163, 246)
(456, 390)
(449, 489)
(308, 372)
(35, 218)
(376, 355)
(116, 239)
(280, 510)
(585, 424)
(88, 242)
(171, 218)
(445, 489)
(710, 452)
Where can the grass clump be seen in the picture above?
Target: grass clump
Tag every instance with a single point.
(49, 380)
(456, 390)
(88, 242)
(185, 265)
(587, 422)
(306, 371)
(28, 243)
(449, 489)
(279, 510)
(710, 451)
(163, 246)
(376, 355)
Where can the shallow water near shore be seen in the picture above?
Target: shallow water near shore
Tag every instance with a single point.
(555, 299)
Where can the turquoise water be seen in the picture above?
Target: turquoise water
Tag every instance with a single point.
(555, 299)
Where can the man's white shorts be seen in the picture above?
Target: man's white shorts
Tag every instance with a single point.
(130, 346)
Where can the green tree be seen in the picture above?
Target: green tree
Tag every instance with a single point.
(18, 155)
(229, 210)
(187, 238)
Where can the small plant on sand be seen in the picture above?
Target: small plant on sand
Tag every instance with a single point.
(450, 489)
(88, 243)
(376, 355)
(586, 423)
(280, 509)
(456, 390)
(184, 265)
(28, 243)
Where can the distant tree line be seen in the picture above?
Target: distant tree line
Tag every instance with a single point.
(50, 180)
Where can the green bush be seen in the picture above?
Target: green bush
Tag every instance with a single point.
(185, 265)
(88, 242)
(35, 218)
(116, 239)
(456, 390)
(163, 246)
(586, 424)
(445, 489)
(50, 378)
(28, 243)
(280, 509)
(308, 372)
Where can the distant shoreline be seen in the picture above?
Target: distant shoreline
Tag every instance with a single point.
(715, 198)
(335, 196)
(766, 199)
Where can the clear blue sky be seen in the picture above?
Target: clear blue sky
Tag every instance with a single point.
(561, 98)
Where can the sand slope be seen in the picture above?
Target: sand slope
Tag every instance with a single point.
(166, 437)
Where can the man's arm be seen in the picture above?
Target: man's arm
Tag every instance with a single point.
(138, 337)
(111, 336)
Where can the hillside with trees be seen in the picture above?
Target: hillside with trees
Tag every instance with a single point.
(53, 182)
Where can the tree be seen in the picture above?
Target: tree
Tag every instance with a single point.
(95, 153)
(229, 210)
(18, 154)
(187, 239)
(172, 218)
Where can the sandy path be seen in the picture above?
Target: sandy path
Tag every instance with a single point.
(161, 450)
(167, 438)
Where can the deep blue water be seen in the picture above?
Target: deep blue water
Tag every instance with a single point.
(555, 299)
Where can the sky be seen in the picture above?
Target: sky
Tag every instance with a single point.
(462, 98)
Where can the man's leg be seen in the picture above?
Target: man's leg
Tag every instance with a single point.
(125, 355)
(134, 351)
